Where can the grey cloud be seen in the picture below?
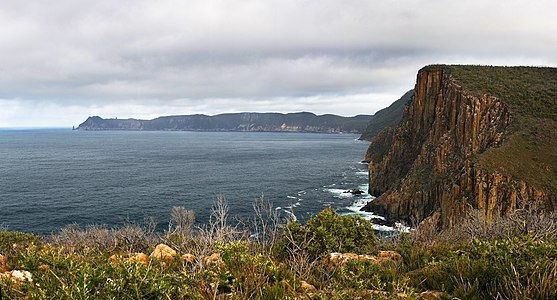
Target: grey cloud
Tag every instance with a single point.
(188, 53)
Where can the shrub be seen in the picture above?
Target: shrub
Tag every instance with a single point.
(329, 232)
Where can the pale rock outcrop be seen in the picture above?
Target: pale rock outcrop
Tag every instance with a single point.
(17, 276)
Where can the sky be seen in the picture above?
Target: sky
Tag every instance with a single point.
(62, 61)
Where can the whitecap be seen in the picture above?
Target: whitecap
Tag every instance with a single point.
(292, 215)
(291, 197)
(339, 193)
(362, 173)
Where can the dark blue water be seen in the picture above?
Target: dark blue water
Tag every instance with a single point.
(52, 178)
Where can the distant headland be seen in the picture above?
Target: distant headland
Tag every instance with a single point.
(263, 122)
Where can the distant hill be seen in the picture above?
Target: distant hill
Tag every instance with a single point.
(270, 122)
(387, 117)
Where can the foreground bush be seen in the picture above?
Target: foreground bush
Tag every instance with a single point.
(327, 233)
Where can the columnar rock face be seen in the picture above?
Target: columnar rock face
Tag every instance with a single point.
(429, 163)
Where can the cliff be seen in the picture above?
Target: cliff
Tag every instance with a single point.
(471, 137)
(293, 122)
(387, 117)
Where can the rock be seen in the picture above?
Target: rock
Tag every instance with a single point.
(354, 192)
(341, 258)
(188, 258)
(114, 258)
(141, 258)
(164, 252)
(306, 287)
(431, 295)
(43, 267)
(3, 264)
(389, 255)
(213, 260)
(18, 276)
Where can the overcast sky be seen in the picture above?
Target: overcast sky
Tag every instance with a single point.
(62, 61)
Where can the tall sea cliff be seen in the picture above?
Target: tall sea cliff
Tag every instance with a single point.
(471, 137)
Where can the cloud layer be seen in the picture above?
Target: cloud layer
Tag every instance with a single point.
(61, 61)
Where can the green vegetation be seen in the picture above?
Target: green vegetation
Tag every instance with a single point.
(327, 233)
(387, 117)
(515, 258)
(529, 91)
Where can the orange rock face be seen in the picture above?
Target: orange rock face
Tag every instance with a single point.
(427, 164)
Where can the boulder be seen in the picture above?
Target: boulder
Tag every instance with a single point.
(188, 258)
(17, 276)
(389, 255)
(213, 260)
(341, 258)
(164, 252)
(3, 264)
(114, 258)
(431, 295)
(139, 257)
(306, 287)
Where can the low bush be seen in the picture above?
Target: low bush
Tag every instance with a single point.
(326, 233)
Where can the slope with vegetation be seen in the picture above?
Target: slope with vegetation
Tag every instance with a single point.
(472, 138)
(263, 259)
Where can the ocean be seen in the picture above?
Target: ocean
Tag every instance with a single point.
(50, 178)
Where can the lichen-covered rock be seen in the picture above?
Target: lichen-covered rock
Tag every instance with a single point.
(114, 258)
(164, 252)
(431, 295)
(188, 258)
(213, 260)
(335, 258)
(306, 287)
(3, 264)
(17, 276)
(139, 257)
(389, 255)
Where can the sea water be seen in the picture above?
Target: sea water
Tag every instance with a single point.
(50, 178)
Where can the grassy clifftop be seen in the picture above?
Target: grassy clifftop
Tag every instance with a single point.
(531, 92)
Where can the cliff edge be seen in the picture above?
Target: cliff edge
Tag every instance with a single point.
(472, 137)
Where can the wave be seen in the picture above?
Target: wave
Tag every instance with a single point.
(362, 173)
